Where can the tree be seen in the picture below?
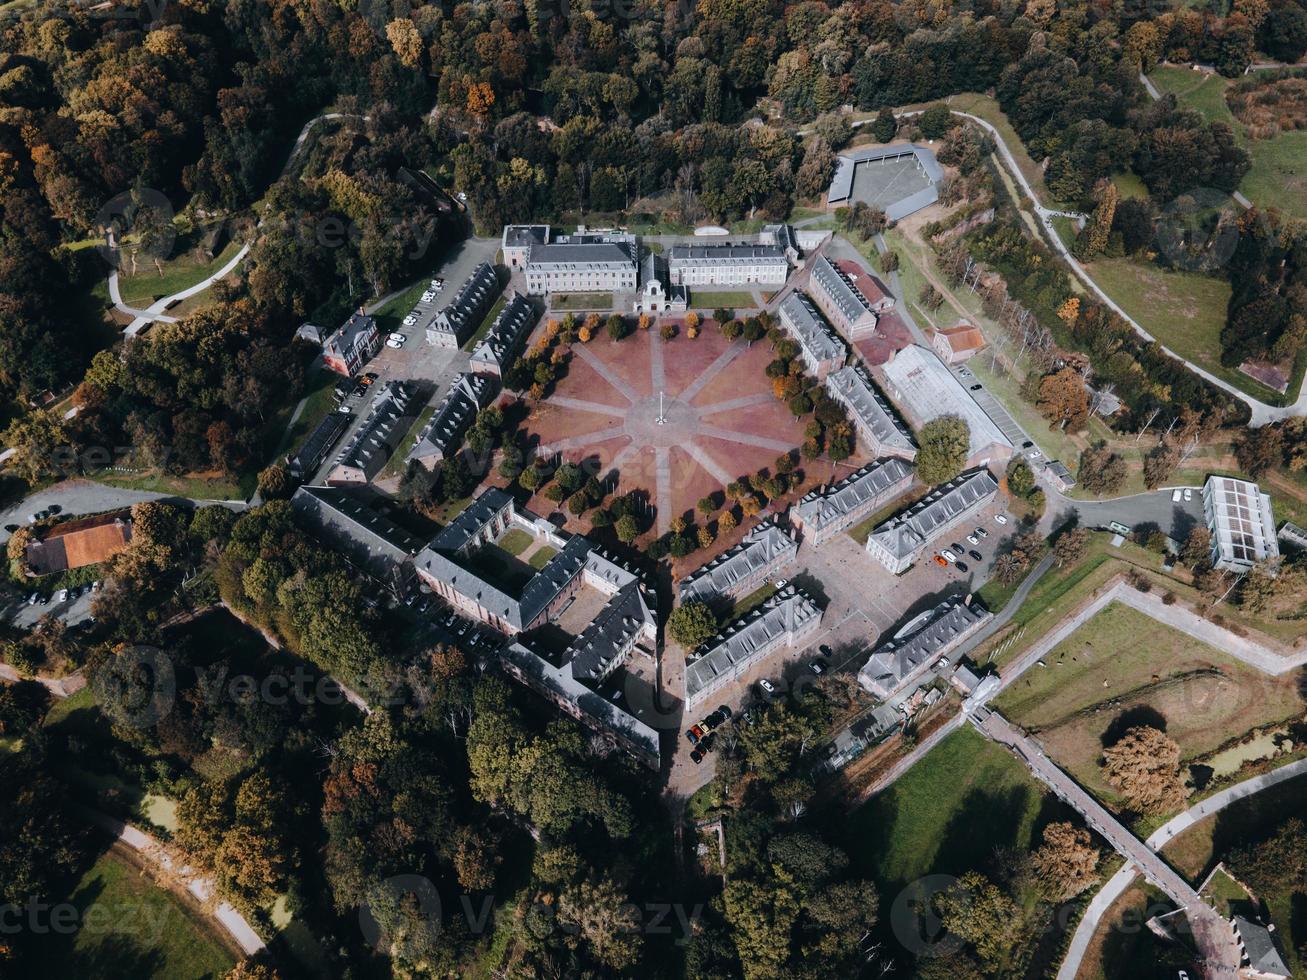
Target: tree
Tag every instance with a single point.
(1020, 477)
(274, 482)
(1260, 449)
(980, 912)
(605, 919)
(1101, 470)
(944, 446)
(616, 327)
(1144, 767)
(1064, 399)
(691, 624)
(627, 529)
(1197, 548)
(885, 125)
(936, 121)
(1276, 864)
(726, 523)
(1066, 864)
(1071, 546)
(1160, 463)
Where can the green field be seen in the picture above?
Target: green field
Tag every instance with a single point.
(180, 272)
(1123, 668)
(1277, 177)
(398, 461)
(1184, 310)
(486, 324)
(515, 541)
(131, 929)
(704, 299)
(581, 301)
(540, 557)
(946, 815)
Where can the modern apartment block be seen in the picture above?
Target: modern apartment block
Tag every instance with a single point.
(821, 349)
(900, 541)
(766, 549)
(822, 513)
(788, 619)
(879, 429)
(728, 265)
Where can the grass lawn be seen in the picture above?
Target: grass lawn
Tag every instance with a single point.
(1183, 310)
(318, 404)
(581, 301)
(390, 315)
(399, 459)
(988, 109)
(1123, 668)
(197, 487)
(130, 928)
(752, 601)
(1129, 184)
(862, 531)
(540, 557)
(484, 329)
(1277, 177)
(705, 299)
(180, 272)
(947, 814)
(515, 541)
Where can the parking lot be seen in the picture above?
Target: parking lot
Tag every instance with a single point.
(862, 604)
(72, 610)
(995, 410)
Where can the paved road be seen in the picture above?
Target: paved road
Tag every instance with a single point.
(1123, 879)
(1176, 518)
(1211, 933)
(78, 496)
(143, 318)
(201, 888)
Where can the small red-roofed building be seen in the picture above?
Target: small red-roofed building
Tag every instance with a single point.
(958, 343)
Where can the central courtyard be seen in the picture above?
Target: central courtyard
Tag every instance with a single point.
(676, 418)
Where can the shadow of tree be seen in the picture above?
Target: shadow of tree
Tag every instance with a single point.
(1144, 715)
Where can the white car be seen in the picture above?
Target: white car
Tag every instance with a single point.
(971, 538)
(61, 596)
(1175, 495)
(948, 556)
(410, 320)
(767, 686)
(462, 197)
(398, 338)
(428, 296)
(1188, 493)
(394, 344)
(1000, 519)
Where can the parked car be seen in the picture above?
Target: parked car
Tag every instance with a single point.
(818, 667)
(428, 296)
(372, 375)
(366, 382)
(1000, 519)
(949, 557)
(11, 528)
(1176, 495)
(61, 595)
(44, 600)
(972, 539)
(976, 555)
(1188, 494)
(981, 532)
(697, 756)
(33, 518)
(31, 599)
(975, 387)
(394, 344)
(55, 508)
(724, 711)
(410, 320)
(939, 560)
(957, 549)
(695, 734)
(962, 566)
(767, 686)
(399, 338)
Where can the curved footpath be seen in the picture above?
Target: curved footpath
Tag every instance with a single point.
(1123, 879)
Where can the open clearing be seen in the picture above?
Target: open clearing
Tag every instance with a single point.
(131, 929)
(1123, 668)
(1278, 176)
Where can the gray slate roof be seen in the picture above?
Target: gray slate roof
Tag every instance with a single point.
(905, 533)
(814, 334)
(846, 296)
(473, 299)
(346, 521)
(564, 255)
(511, 327)
(1260, 947)
(819, 507)
(443, 432)
(900, 657)
(724, 254)
(388, 420)
(768, 542)
(852, 387)
(788, 611)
